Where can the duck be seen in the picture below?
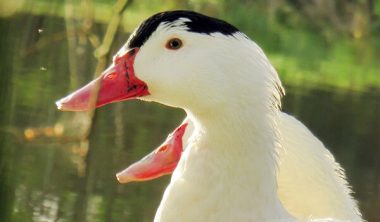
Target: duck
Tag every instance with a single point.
(231, 167)
(310, 182)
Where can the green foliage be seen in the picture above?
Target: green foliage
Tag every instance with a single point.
(307, 48)
(310, 43)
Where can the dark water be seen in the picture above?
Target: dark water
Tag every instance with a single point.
(51, 172)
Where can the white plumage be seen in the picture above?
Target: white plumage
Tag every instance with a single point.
(310, 183)
(228, 171)
(242, 146)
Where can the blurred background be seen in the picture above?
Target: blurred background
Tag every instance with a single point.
(57, 166)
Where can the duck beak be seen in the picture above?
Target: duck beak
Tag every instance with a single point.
(117, 83)
(161, 161)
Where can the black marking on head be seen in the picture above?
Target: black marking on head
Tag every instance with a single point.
(197, 23)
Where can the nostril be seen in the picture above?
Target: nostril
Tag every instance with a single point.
(132, 87)
(163, 149)
(111, 75)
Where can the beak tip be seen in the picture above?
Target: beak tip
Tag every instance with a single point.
(68, 103)
(59, 105)
(118, 178)
(122, 178)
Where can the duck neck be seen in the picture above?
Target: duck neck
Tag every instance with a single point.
(238, 151)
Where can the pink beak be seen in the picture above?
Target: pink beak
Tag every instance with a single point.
(161, 161)
(117, 83)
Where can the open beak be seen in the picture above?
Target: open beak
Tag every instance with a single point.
(161, 161)
(117, 83)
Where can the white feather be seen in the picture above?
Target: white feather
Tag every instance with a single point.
(228, 171)
(311, 184)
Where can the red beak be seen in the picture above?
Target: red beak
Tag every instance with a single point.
(117, 83)
(161, 161)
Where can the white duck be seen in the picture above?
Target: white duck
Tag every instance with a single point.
(232, 94)
(310, 182)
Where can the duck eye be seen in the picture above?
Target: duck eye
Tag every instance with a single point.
(174, 44)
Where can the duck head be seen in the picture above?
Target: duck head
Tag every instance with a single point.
(178, 58)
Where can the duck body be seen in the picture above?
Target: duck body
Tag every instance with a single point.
(311, 184)
(232, 95)
(226, 185)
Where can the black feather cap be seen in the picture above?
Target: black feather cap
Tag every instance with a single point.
(196, 23)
